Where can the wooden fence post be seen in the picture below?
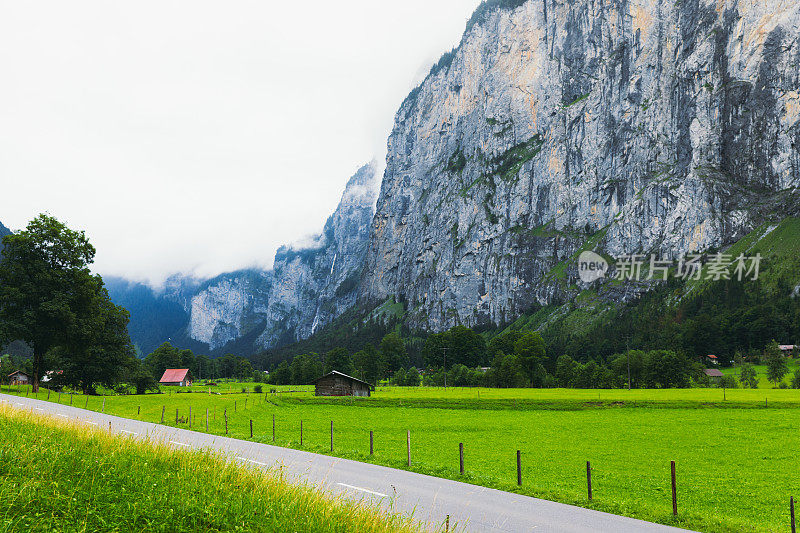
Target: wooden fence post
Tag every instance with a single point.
(206, 418)
(176, 416)
(138, 410)
(251, 428)
(370, 443)
(226, 420)
(163, 408)
(48, 395)
(245, 404)
(103, 409)
(674, 490)
(301, 433)
(190, 416)
(589, 479)
(331, 436)
(519, 468)
(408, 446)
(86, 403)
(461, 457)
(234, 406)
(70, 398)
(273, 428)
(791, 512)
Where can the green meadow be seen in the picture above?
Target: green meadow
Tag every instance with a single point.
(736, 457)
(61, 476)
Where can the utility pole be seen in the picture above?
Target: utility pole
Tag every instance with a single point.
(444, 352)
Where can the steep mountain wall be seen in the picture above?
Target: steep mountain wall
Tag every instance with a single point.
(629, 126)
(307, 288)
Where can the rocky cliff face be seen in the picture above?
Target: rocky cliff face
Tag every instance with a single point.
(307, 288)
(554, 127)
(315, 285)
(229, 306)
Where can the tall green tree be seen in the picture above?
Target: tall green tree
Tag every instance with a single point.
(369, 364)
(776, 363)
(748, 376)
(394, 351)
(42, 270)
(99, 349)
(529, 349)
(338, 359)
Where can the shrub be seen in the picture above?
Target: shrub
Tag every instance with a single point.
(258, 389)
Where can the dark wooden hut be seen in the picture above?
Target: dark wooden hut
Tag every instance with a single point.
(338, 384)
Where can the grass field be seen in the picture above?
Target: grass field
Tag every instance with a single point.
(60, 477)
(736, 458)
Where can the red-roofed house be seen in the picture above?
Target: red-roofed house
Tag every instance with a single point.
(787, 349)
(179, 377)
(712, 359)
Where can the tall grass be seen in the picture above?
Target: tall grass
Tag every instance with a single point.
(59, 476)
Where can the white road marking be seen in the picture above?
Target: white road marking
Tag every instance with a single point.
(382, 495)
(251, 460)
(39, 409)
(92, 423)
(126, 431)
(65, 416)
(179, 443)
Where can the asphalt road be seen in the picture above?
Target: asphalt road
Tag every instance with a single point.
(429, 499)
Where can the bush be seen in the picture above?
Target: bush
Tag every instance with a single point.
(796, 379)
(258, 389)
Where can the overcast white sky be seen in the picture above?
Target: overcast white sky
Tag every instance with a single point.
(200, 136)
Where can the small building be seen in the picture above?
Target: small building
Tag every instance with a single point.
(713, 373)
(711, 359)
(338, 384)
(177, 377)
(19, 378)
(787, 349)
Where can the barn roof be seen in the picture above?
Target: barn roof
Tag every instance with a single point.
(337, 373)
(18, 372)
(711, 356)
(174, 375)
(713, 373)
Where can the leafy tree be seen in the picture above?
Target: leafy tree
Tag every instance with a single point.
(665, 368)
(394, 351)
(164, 357)
(282, 375)
(413, 378)
(99, 348)
(566, 371)
(369, 364)
(504, 343)
(506, 372)
(305, 369)
(529, 349)
(42, 270)
(748, 376)
(399, 377)
(459, 344)
(140, 377)
(244, 370)
(776, 363)
(338, 359)
(204, 367)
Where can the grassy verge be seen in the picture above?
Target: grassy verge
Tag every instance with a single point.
(60, 477)
(735, 457)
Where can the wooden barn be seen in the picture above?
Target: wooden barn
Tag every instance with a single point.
(19, 378)
(179, 377)
(338, 384)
